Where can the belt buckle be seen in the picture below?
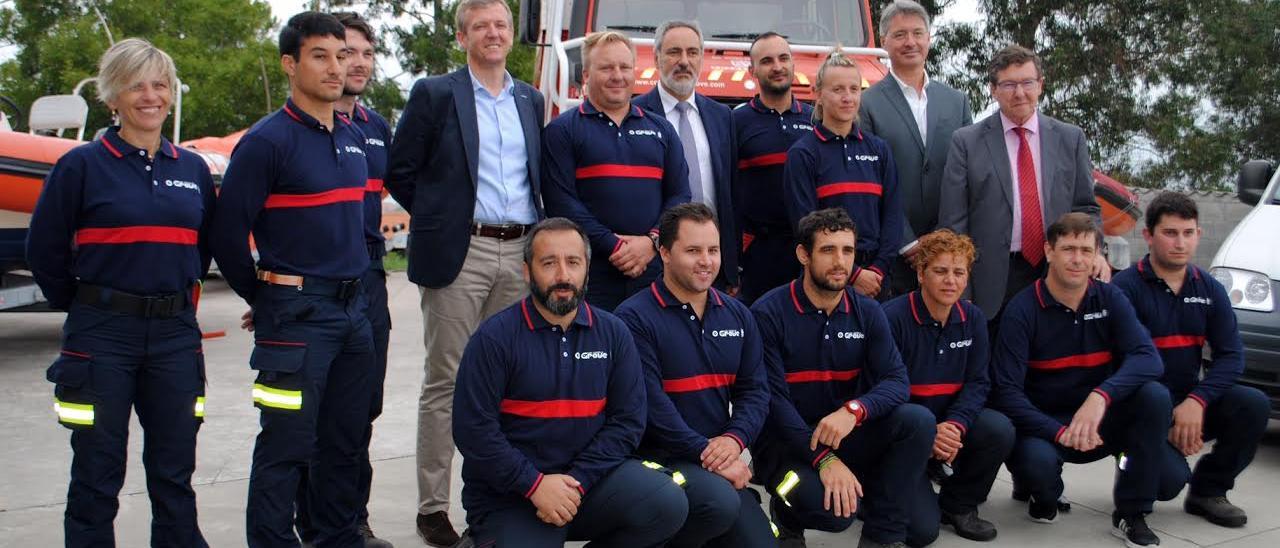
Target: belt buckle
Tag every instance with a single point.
(152, 306)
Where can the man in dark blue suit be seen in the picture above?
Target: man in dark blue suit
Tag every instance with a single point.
(465, 163)
(706, 133)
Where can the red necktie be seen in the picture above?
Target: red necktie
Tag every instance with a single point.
(1032, 220)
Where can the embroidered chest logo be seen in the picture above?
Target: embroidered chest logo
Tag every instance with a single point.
(594, 355)
(850, 335)
(353, 150)
(867, 157)
(374, 142)
(728, 333)
(1095, 315)
(802, 127)
(1198, 300)
(173, 183)
(646, 132)
(962, 344)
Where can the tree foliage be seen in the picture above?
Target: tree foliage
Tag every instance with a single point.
(1169, 92)
(427, 44)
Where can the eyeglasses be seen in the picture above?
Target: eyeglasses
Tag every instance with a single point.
(1009, 87)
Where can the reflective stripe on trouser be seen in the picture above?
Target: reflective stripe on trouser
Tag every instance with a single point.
(312, 355)
(111, 366)
(719, 515)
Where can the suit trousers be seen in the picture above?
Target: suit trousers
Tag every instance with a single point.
(491, 279)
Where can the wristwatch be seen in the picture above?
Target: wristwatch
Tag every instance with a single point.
(856, 408)
(654, 238)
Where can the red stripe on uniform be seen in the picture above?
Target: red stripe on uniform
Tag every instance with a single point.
(110, 148)
(827, 191)
(137, 234)
(553, 409)
(373, 185)
(765, 160)
(337, 195)
(698, 382)
(619, 170)
(930, 390)
(1178, 341)
(1095, 359)
(821, 376)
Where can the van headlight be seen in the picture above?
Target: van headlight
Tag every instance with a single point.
(1247, 290)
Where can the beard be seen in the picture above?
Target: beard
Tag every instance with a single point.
(771, 89)
(349, 91)
(559, 307)
(823, 283)
(679, 87)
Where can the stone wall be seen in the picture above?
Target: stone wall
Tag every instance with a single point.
(1220, 212)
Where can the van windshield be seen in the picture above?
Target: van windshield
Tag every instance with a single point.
(821, 22)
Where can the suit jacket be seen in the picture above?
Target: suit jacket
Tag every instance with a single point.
(717, 120)
(433, 164)
(977, 194)
(885, 114)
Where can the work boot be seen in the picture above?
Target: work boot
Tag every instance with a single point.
(371, 540)
(969, 525)
(864, 542)
(435, 529)
(1133, 530)
(787, 538)
(1064, 505)
(1042, 512)
(1218, 510)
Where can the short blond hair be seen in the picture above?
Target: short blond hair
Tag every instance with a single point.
(128, 61)
(601, 38)
(464, 7)
(837, 58)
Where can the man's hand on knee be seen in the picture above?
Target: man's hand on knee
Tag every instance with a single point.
(842, 488)
(1187, 433)
(557, 499)
(737, 472)
(1082, 433)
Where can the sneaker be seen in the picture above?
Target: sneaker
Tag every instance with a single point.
(969, 525)
(864, 542)
(1064, 505)
(435, 529)
(787, 538)
(371, 540)
(1042, 512)
(1218, 510)
(1134, 530)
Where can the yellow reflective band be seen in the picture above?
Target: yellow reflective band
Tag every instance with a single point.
(678, 477)
(651, 465)
(774, 526)
(789, 482)
(73, 413)
(200, 407)
(277, 398)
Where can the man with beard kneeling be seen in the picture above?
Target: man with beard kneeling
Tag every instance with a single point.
(548, 407)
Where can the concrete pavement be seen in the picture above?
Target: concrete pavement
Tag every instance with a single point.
(35, 455)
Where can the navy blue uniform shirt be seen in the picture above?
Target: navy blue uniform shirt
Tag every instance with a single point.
(694, 369)
(946, 364)
(856, 173)
(817, 362)
(1180, 324)
(112, 217)
(612, 180)
(533, 399)
(377, 137)
(763, 137)
(1048, 358)
(300, 188)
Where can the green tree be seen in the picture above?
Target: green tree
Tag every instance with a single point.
(225, 53)
(1167, 91)
(428, 46)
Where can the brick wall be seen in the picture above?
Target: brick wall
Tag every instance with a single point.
(1220, 212)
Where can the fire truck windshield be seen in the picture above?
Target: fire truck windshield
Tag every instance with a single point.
(820, 22)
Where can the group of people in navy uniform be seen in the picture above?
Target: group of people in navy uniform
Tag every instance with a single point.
(642, 315)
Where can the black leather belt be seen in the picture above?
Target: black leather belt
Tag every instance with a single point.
(143, 306)
(501, 232)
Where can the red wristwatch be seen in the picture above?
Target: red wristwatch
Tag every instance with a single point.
(859, 412)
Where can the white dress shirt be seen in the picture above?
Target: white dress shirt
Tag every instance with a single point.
(919, 104)
(700, 139)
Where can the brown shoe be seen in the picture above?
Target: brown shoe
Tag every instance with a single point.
(435, 529)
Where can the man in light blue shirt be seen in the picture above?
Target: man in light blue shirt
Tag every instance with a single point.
(502, 188)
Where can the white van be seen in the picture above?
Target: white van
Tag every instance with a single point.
(1248, 265)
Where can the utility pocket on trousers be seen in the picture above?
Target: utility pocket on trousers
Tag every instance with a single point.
(280, 377)
(72, 393)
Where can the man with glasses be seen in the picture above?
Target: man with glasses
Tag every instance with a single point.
(1007, 175)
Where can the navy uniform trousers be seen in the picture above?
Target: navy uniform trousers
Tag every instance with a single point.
(986, 446)
(768, 262)
(1236, 420)
(1136, 426)
(886, 454)
(607, 287)
(313, 351)
(633, 506)
(719, 515)
(110, 364)
(374, 285)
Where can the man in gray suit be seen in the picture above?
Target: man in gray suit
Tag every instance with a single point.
(1011, 175)
(917, 117)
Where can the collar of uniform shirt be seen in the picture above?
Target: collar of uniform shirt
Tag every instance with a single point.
(669, 102)
(507, 82)
(924, 89)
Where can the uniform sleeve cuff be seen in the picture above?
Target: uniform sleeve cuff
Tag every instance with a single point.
(536, 483)
(957, 424)
(618, 245)
(1198, 400)
(876, 269)
(818, 459)
(741, 444)
(1057, 437)
(1105, 396)
(856, 270)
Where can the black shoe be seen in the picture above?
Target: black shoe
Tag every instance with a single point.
(435, 529)
(787, 538)
(1064, 505)
(969, 525)
(864, 542)
(1042, 512)
(371, 540)
(1133, 529)
(1218, 510)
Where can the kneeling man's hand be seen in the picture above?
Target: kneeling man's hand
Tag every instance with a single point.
(1082, 433)
(842, 489)
(557, 499)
